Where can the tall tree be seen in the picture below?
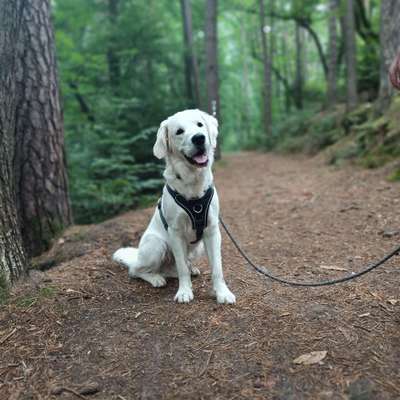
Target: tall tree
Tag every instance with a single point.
(212, 79)
(114, 68)
(267, 79)
(12, 257)
(390, 45)
(332, 53)
(351, 54)
(298, 84)
(191, 67)
(40, 165)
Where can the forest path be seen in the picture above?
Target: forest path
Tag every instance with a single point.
(294, 215)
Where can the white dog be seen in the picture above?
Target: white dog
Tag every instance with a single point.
(187, 215)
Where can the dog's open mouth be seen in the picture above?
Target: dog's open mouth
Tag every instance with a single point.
(199, 160)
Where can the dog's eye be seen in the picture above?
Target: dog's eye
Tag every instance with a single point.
(179, 131)
(199, 124)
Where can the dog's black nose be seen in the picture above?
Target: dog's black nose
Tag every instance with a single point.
(198, 139)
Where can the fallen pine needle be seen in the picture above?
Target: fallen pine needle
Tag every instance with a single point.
(8, 336)
(207, 364)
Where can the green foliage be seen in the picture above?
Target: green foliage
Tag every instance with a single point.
(395, 175)
(123, 73)
(27, 301)
(107, 178)
(119, 81)
(309, 132)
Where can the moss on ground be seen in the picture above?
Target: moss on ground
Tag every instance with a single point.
(363, 136)
(46, 292)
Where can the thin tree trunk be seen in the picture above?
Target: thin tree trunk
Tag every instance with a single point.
(318, 44)
(245, 133)
(12, 257)
(298, 85)
(390, 45)
(333, 53)
(272, 51)
(285, 74)
(267, 109)
(351, 55)
(191, 67)
(212, 79)
(114, 68)
(40, 165)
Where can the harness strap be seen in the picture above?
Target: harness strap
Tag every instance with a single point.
(196, 209)
(163, 220)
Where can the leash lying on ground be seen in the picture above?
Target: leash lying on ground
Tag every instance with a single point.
(268, 274)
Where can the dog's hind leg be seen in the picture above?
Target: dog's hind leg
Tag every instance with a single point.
(151, 254)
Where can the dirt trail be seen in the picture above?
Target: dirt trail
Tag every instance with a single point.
(82, 321)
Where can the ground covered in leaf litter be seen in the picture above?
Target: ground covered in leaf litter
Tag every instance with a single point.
(81, 330)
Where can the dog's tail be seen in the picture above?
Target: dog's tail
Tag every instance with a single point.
(126, 256)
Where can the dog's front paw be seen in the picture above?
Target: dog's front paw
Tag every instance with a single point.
(225, 296)
(157, 280)
(184, 295)
(194, 271)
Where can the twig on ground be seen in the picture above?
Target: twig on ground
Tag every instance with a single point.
(59, 390)
(207, 364)
(8, 336)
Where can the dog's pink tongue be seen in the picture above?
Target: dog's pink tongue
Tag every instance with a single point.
(201, 159)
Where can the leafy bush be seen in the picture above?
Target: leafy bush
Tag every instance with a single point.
(111, 175)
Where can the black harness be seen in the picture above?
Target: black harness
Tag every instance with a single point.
(196, 209)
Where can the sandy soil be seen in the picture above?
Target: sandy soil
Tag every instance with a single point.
(82, 330)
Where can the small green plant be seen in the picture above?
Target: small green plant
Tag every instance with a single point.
(30, 300)
(395, 176)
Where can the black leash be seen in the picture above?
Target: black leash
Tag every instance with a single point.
(268, 274)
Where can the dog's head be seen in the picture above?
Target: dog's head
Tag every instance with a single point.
(190, 135)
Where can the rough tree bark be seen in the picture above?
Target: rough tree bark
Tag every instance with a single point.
(332, 53)
(12, 257)
(298, 84)
(191, 67)
(40, 170)
(390, 46)
(351, 55)
(267, 79)
(212, 79)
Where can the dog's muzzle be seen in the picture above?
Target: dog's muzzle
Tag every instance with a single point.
(200, 157)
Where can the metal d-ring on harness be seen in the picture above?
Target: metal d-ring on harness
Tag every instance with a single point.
(268, 274)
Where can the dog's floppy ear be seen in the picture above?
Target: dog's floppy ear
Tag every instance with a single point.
(160, 147)
(212, 127)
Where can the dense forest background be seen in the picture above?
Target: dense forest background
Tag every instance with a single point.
(126, 65)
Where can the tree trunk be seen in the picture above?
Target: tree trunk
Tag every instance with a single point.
(267, 86)
(40, 170)
(284, 75)
(390, 45)
(212, 80)
(313, 34)
(298, 84)
(245, 133)
(114, 68)
(12, 257)
(351, 55)
(191, 67)
(333, 53)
